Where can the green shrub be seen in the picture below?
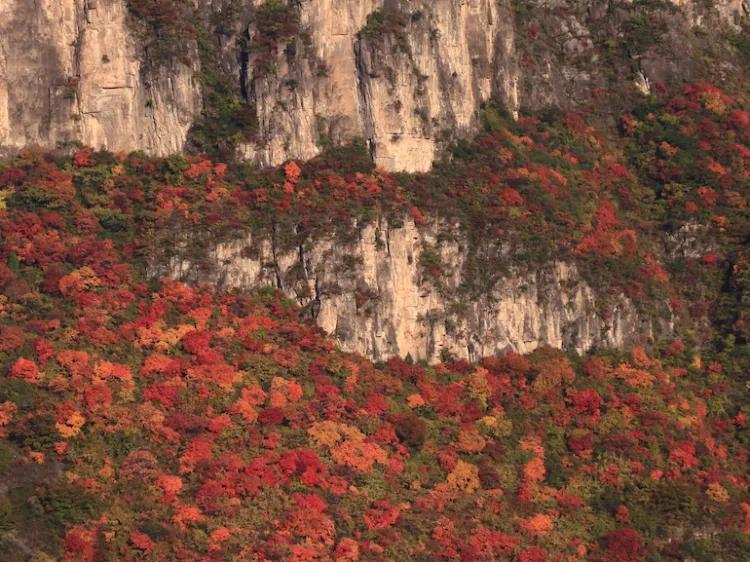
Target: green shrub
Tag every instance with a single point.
(227, 119)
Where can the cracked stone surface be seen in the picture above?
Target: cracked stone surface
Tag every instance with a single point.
(408, 95)
(372, 296)
(71, 71)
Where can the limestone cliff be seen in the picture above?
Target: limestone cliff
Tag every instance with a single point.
(410, 77)
(374, 296)
(73, 71)
(315, 92)
(407, 78)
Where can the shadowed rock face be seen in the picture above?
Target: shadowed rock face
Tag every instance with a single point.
(72, 71)
(373, 295)
(410, 77)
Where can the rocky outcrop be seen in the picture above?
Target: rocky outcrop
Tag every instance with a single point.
(73, 71)
(422, 86)
(313, 94)
(409, 77)
(374, 295)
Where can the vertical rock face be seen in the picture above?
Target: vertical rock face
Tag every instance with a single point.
(422, 85)
(313, 93)
(373, 295)
(71, 71)
(409, 77)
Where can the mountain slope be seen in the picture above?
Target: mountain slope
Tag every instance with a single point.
(146, 419)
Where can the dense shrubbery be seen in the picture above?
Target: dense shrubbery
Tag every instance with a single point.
(143, 419)
(692, 151)
(388, 21)
(276, 22)
(227, 118)
(168, 26)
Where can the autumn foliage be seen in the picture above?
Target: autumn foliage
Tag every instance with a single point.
(142, 418)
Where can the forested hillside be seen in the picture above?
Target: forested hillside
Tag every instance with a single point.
(143, 418)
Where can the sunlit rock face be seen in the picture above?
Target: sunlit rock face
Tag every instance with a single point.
(413, 82)
(374, 297)
(408, 92)
(409, 77)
